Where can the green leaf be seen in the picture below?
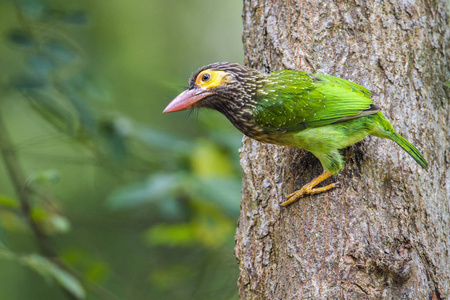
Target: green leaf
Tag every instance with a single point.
(29, 81)
(13, 221)
(75, 17)
(51, 271)
(84, 112)
(38, 214)
(114, 133)
(209, 228)
(33, 9)
(447, 83)
(60, 51)
(166, 277)
(171, 235)
(51, 222)
(8, 202)
(41, 64)
(51, 110)
(48, 270)
(21, 37)
(43, 177)
(172, 209)
(6, 254)
(157, 187)
(97, 272)
(207, 160)
(92, 267)
(56, 224)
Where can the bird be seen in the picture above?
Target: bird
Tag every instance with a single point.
(315, 112)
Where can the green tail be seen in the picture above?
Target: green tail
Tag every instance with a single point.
(402, 142)
(385, 130)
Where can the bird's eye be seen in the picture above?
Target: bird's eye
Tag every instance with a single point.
(206, 77)
(209, 79)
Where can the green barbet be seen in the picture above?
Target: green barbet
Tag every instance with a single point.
(315, 112)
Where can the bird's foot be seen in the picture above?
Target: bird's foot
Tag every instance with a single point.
(291, 198)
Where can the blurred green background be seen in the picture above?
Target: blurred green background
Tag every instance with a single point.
(135, 204)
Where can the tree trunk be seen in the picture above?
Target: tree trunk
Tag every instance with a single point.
(385, 234)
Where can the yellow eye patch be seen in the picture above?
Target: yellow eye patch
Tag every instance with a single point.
(210, 79)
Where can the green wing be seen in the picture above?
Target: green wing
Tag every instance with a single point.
(294, 100)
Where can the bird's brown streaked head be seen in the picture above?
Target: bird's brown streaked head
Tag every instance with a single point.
(220, 86)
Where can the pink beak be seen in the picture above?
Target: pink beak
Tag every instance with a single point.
(186, 99)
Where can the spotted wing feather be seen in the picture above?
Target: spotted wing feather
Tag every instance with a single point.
(294, 100)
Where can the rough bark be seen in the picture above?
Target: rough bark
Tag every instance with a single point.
(385, 234)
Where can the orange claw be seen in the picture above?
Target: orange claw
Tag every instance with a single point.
(309, 189)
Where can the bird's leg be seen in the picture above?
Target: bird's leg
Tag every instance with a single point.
(309, 189)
